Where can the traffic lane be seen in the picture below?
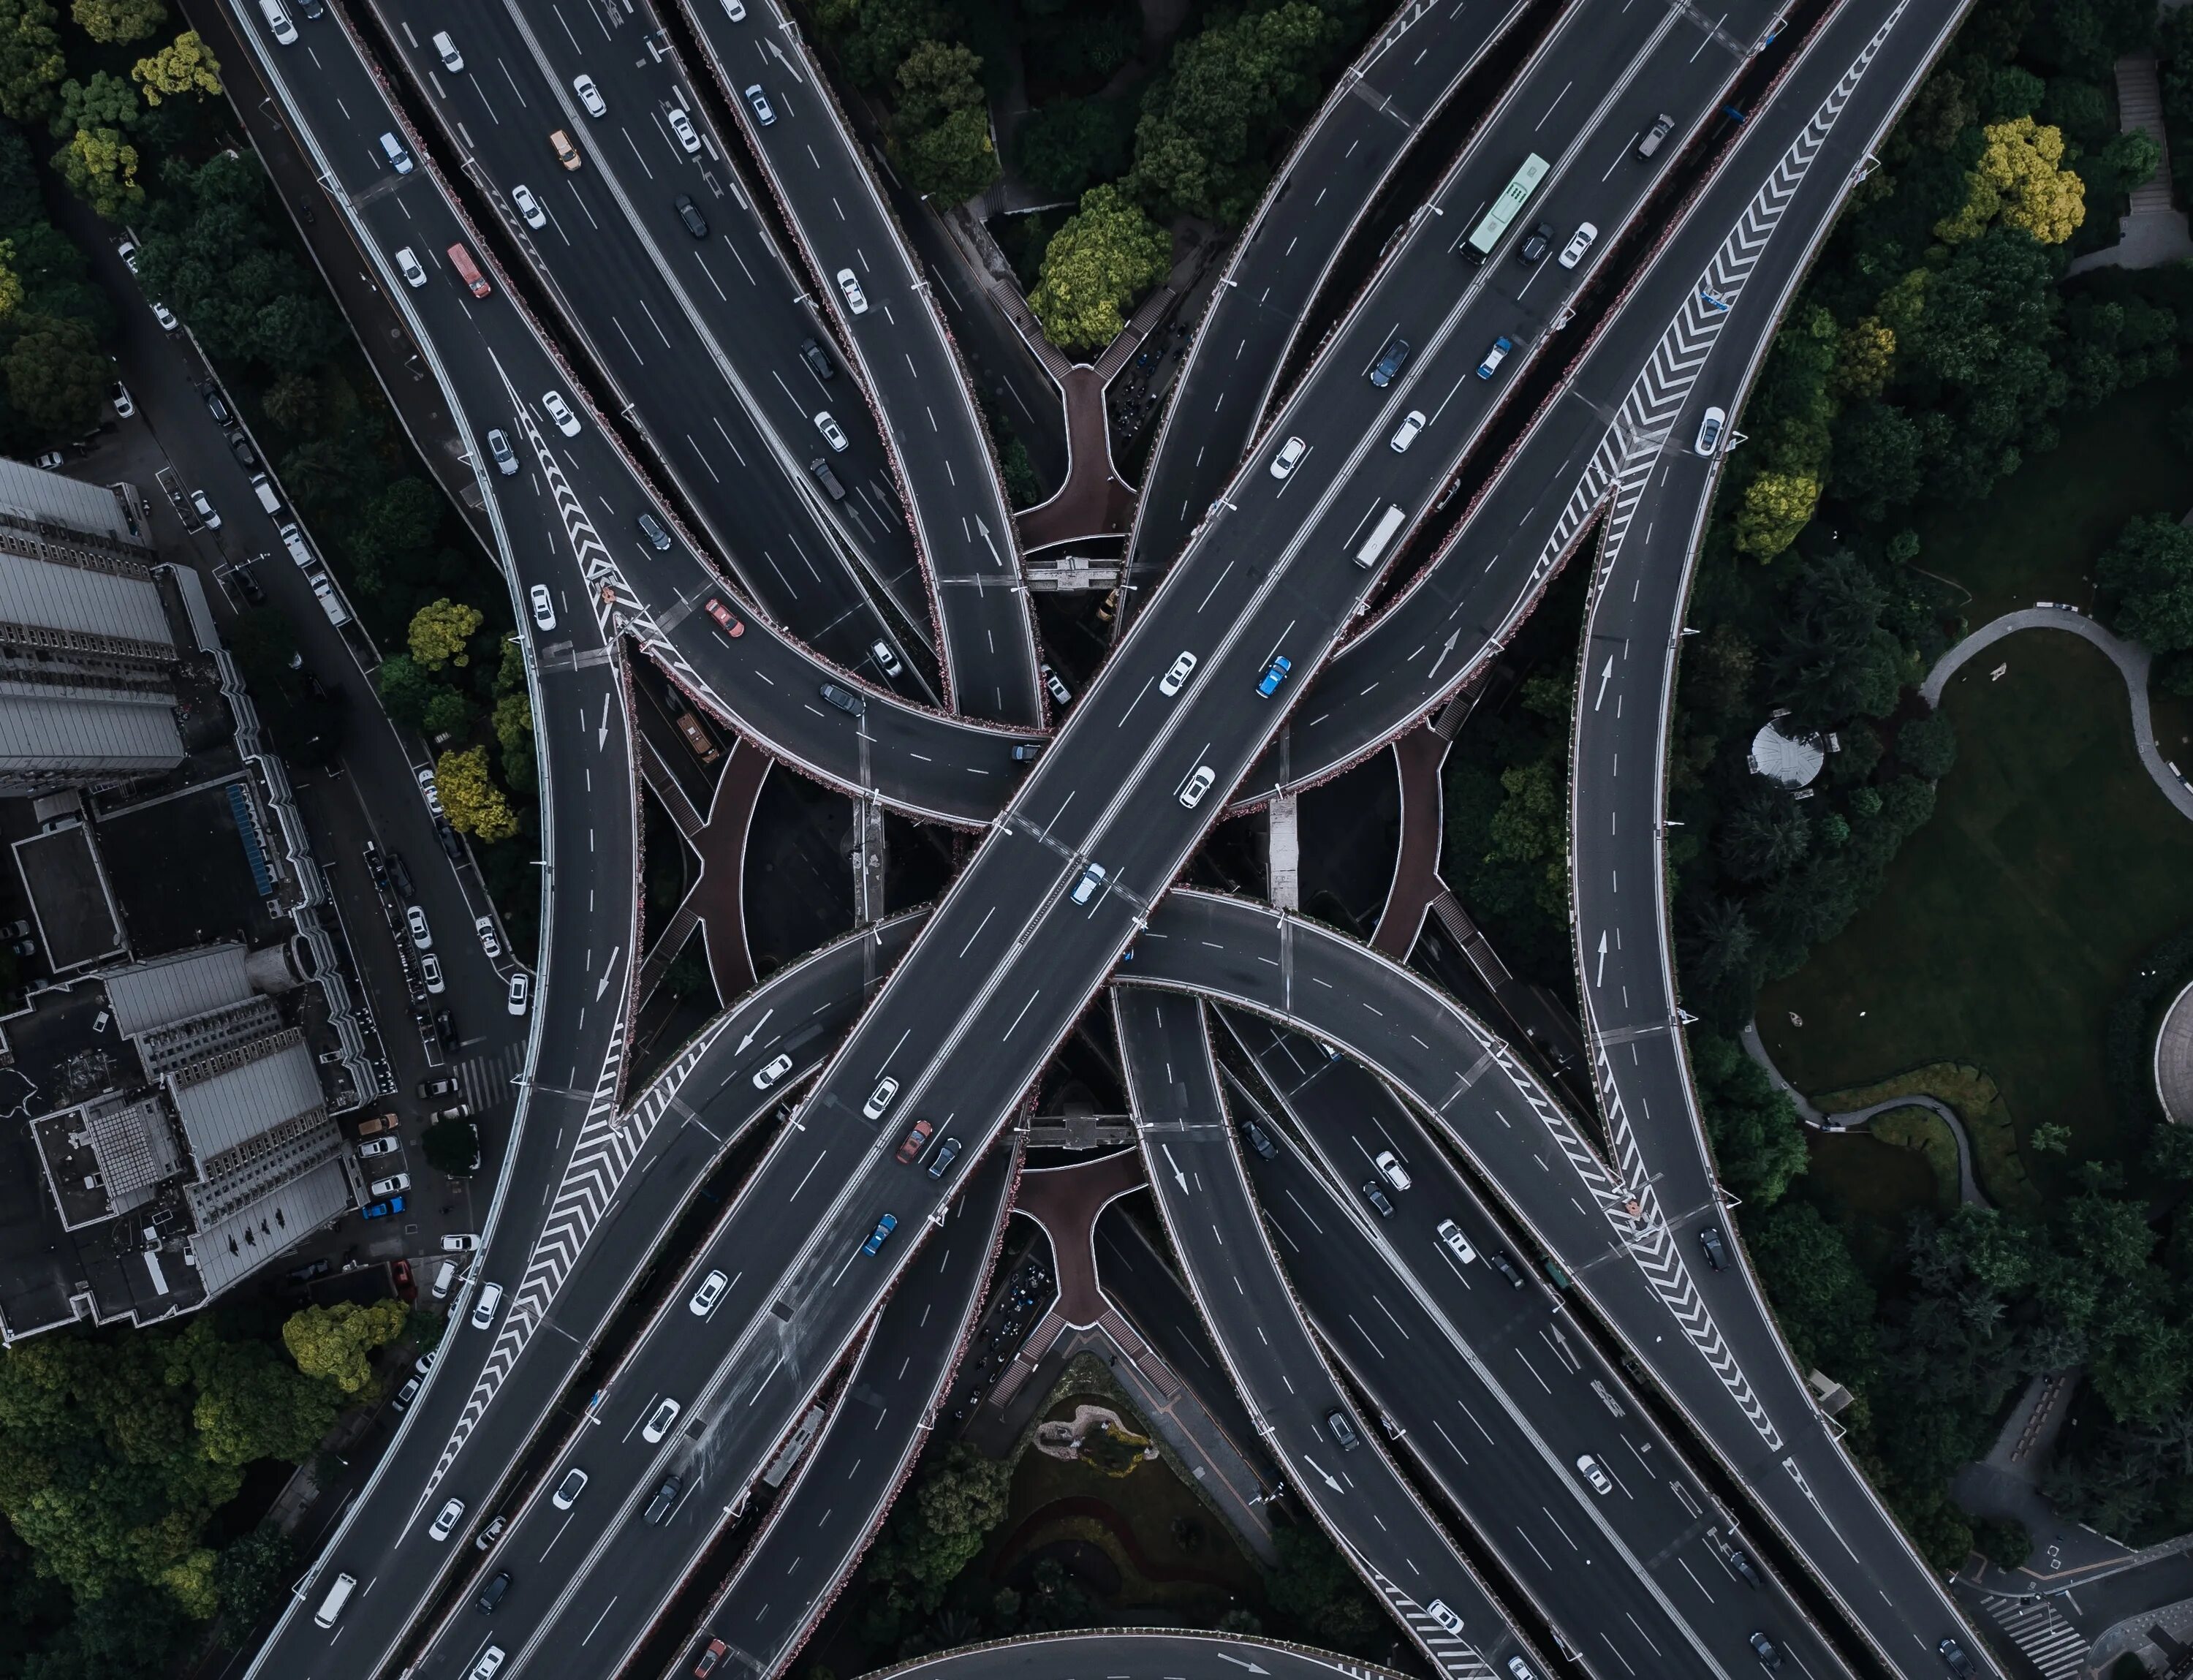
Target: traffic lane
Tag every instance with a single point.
(1351, 147)
(1486, 1103)
(845, 1482)
(1134, 1655)
(1554, 1533)
(1172, 1087)
(769, 403)
(1509, 1351)
(731, 472)
(823, 987)
(952, 485)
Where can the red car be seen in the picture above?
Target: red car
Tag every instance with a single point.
(722, 615)
(710, 1658)
(916, 1141)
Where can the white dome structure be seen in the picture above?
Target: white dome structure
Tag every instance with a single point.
(1787, 760)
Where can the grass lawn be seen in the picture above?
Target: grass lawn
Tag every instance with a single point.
(1871, 1189)
(2036, 537)
(2011, 922)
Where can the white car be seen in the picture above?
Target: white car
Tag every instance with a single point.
(484, 926)
(772, 1071)
(429, 791)
(1709, 430)
(1391, 1170)
(682, 126)
(590, 96)
(407, 264)
(659, 1422)
(756, 98)
(118, 394)
(710, 1291)
(879, 1099)
(430, 971)
(484, 1309)
(832, 433)
(422, 936)
(1579, 242)
(165, 316)
(544, 606)
(1587, 1466)
(569, 1489)
(394, 1184)
(505, 458)
(735, 10)
(1458, 1245)
(127, 250)
(374, 1146)
(1176, 678)
(1085, 888)
(529, 206)
(461, 1242)
(1197, 785)
(521, 989)
(446, 1519)
(855, 299)
(1406, 434)
(1289, 452)
(560, 412)
(205, 510)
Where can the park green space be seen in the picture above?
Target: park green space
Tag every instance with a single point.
(2036, 537)
(2009, 923)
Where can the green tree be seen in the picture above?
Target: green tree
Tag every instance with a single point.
(118, 20)
(954, 159)
(1314, 1586)
(1764, 834)
(251, 1405)
(448, 713)
(1825, 1303)
(452, 1146)
(2129, 160)
(1096, 266)
(56, 378)
(1759, 1146)
(2021, 181)
(293, 402)
(440, 632)
(513, 721)
(936, 1534)
(1835, 658)
(406, 690)
(874, 36)
(1927, 746)
(186, 65)
(31, 60)
(104, 102)
(1063, 148)
(333, 1342)
(471, 801)
(1776, 506)
(935, 80)
(100, 167)
(1530, 829)
(252, 1577)
(2149, 572)
(1878, 458)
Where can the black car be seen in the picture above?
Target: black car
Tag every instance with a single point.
(248, 586)
(1764, 1649)
(1534, 248)
(445, 1029)
(665, 1497)
(1343, 1431)
(1377, 1198)
(1027, 752)
(400, 877)
(1716, 1251)
(1954, 1655)
(246, 456)
(690, 214)
(215, 405)
(1740, 1560)
(844, 699)
(312, 1268)
(1391, 360)
(947, 1153)
(450, 844)
(818, 358)
(1504, 1264)
(1259, 1140)
(492, 1594)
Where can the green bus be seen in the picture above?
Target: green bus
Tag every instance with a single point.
(1505, 208)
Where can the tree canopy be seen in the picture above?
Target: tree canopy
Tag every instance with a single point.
(1106, 256)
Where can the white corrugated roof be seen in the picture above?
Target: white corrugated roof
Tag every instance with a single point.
(59, 597)
(149, 995)
(57, 501)
(247, 1239)
(95, 733)
(1784, 760)
(223, 1111)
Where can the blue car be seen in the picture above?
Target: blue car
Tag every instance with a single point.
(381, 1210)
(884, 1227)
(1275, 675)
(1493, 358)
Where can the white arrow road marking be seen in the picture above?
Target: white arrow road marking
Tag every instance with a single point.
(756, 1027)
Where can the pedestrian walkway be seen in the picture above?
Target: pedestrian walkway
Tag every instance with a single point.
(2154, 231)
(2039, 1630)
(1418, 758)
(484, 1081)
(2131, 659)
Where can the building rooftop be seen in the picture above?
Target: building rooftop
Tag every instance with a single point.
(71, 902)
(240, 1093)
(101, 602)
(170, 989)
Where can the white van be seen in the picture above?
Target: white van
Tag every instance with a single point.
(285, 35)
(452, 59)
(444, 1279)
(338, 1594)
(294, 540)
(264, 491)
(483, 1309)
(331, 603)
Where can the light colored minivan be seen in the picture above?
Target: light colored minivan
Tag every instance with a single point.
(285, 35)
(452, 59)
(266, 493)
(484, 1309)
(338, 1594)
(445, 1276)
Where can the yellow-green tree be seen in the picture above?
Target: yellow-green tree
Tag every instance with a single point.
(1776, 505)
(100, 167)
(332, 1343)
(440, 631)
(30, 59)
(1866, 356)
(191, 1579)
(186, 65)
(2021, 181)
(1105, 257)
(113, 20)
(470, 798)
(11, 282)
